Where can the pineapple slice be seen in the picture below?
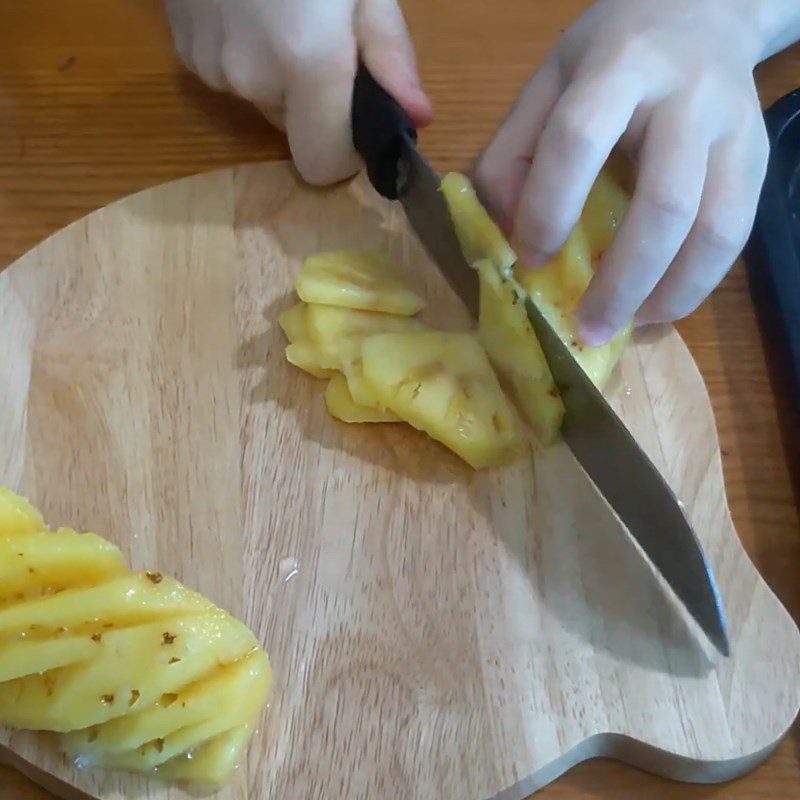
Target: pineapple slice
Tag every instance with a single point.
(134, 670)
(43, 563)
(341, 405)
(605, 209)
(508, 338)
(443, 384)
(17, 516)
(556, 289)
(357, 279)
(294, 323)
(477, 232)
(305, 355)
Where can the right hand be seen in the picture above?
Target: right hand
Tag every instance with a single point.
(295, 60)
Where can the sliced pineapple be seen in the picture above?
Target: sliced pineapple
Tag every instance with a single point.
(305, 355)
(512, 346)
(443, 384)
(134, 669)
(605, 209)
(341, 405)
(294, 323)
(477, 232)
(556, 289)
(359, 279)
(336, 333)
(43, 563)
(17, 516)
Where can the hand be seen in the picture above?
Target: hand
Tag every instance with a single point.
(672, 84)
(296, 60)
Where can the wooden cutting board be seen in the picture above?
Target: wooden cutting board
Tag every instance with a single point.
(448, 634)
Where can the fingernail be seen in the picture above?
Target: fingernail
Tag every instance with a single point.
(596, 333)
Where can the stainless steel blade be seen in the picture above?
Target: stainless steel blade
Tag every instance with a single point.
(429, 215)
(599, 440)
(632, 485)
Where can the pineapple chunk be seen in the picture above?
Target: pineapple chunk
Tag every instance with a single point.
(213, 761)
(328, 326)
(293, 322)
(341, 405)
(357, 279)
(443, 384)
(133, 669)
(605, 209)
(17, 516)
(556, 289)
(307, 356)
(42, 563)
(477, 232)
(508, 338)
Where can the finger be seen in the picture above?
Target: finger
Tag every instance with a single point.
(504, 165)
(576, 141)
(252, 71)
(673, 166)
(385, 47)
(180, 21)
(275, 115)
(207, 41)
(320, 64)
(736, 170)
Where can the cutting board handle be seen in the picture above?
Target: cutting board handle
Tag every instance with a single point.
(382, 135)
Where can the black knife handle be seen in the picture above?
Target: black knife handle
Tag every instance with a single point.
(382, 135)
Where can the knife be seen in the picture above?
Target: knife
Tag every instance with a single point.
(633, 487)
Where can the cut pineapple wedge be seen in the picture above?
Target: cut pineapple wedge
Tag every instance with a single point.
(357, 279)
(556, 289)
(17, 516)
(443, 384)
(294, 322)
(512, 347)
(135, 670)
(342, 406)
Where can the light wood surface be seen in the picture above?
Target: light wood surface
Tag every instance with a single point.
(449, 634)
(92, 107)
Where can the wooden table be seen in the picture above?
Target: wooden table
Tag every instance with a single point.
(93, 107)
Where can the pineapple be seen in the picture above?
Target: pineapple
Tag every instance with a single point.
(443, 384)
(294, 322)
(556, 289)
(134, 670)
(357, 279)
(477, 232)
(18, 516)
(305, 355)
(341, 405)
(508, 338)
(605, 209)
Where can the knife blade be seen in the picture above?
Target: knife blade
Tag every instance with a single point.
(597, 437)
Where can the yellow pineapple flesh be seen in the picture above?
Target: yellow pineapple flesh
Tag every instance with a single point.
(443, 384)
(556, 289)
(342, 406)
(134, 670)
(508, 338)
(358, 279)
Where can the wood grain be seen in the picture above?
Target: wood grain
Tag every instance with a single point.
(92, 107)
(450, 633)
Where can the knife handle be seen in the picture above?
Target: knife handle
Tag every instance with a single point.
(382, 135)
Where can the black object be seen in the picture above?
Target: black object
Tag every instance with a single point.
(382, 135)
(772, 254)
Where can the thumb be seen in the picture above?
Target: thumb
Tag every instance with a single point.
(385, 47)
